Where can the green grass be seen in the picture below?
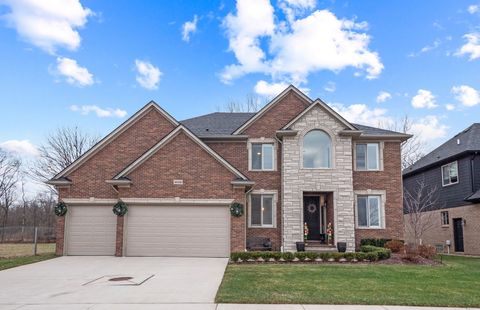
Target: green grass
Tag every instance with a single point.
(456, 283)
(6, 263)
(24, 249)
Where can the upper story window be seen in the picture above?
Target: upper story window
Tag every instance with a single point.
(262, 156)
(367, 156)
(444, 215)
(369, 211)
(317, 150)
(450, 174)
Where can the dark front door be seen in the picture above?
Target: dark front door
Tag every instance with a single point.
(458, 234)
(311, 216)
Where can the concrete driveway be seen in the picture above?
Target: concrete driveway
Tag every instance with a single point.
(86, 282)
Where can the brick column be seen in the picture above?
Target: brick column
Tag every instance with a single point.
(60, 234)
(119, 236)
(237, 224)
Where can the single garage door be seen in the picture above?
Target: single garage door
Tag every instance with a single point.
(90, 230)
(197, 231)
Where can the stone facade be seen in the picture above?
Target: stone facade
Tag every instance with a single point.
(337, 180)
(439, 234)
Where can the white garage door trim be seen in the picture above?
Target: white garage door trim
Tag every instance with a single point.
(108, 219)
(222, 251)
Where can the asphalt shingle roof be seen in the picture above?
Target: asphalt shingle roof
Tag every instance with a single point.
(225, 123)
(465, 141)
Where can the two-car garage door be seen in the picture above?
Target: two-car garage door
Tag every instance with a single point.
(197, 231)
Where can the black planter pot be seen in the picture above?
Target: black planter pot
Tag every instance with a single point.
(342, 247)
(300, 246)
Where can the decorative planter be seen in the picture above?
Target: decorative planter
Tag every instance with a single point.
(300, 246)
(342, 247)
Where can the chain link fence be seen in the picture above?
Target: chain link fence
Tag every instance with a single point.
(26, 234)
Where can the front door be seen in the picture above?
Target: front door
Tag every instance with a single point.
(458, 234)
(311, 216)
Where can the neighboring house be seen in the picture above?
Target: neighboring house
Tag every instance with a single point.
(295, 161)
(454, 170)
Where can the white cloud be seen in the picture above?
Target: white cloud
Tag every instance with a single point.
(383, 96)
(330, 87)
(108, 112)
(429, 128)
(450, 107)
(466, 95)
(295, 48)
(305, 4)
(148, 76)
(20, 147)
(427, 48)
(48, 24)
(474, 8)
(74, 74)
(189, 28)
(424, 99)
(362, 114)
(266, 89)
(472, 47)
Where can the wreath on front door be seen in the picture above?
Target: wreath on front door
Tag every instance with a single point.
(60, 209)
(236, 209)
(312, 208)
(120, 208)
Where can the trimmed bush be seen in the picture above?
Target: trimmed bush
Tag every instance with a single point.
(288, 256)
(369, 248)
(375, 242)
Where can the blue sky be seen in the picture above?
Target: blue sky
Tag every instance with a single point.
(94, 63)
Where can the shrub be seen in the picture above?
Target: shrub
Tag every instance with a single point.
(369, 248)
(375, 242)
(384, 253)
(371, 256)
(396, 246)
(427, 251)
(301, 255)
(360, 256)
(288, 256)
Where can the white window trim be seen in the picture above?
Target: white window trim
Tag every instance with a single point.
(458, 174)
(332, 149)
(274, 208)
(441, 218)
(369, 192)
(381, 146)
(262, 141)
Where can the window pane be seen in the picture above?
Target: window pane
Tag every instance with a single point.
(268, 157)
(446, 175)
(361, 153)
(267, 210)
(374, 208)
(453, 172)
(316, 150)
(362, 211)
(256, 216)
(256, 156)
(372, 157)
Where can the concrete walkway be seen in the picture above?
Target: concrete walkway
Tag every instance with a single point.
(186, 306)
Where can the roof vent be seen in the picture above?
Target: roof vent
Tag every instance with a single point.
(458, 141)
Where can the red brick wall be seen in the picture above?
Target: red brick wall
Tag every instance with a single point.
(119, 236)
(59, 234)
(390, 179)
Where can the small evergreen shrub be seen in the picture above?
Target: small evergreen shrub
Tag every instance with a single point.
(374, 241)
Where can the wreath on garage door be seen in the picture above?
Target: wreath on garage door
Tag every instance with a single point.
(236, 209)
(120, 208)
(60, 209)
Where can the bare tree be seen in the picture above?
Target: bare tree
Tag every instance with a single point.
(61, 149)
(414, 148)
(417, 202)
(252, 103)
(9, 176)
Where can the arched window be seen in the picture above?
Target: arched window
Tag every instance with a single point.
(317, 149)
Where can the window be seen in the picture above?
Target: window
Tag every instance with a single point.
(369, 211)
(262, 156)
(262, 210)
(367, 156)
(317, 148)
(444, 215)
(450, 174)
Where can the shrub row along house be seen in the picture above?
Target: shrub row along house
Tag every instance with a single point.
(206, 185)
(446, 183)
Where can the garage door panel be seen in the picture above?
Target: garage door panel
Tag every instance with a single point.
(90, 230)
(202, 231)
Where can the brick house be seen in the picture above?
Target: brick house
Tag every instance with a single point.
(295, 162)
(453, 171)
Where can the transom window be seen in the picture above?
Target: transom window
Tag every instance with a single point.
(317, 149)
(262, 210)
(262, 156)
(444, 215)
(367, 156)
(369, 211)
(450, 174)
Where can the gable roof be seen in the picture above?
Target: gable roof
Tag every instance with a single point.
(216, 124)
(466, 141)
(166, 140)
(270, 105)
(324, 107)
(120, 129)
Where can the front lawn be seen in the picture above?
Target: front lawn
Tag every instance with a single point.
(6, 263)
(456, 283)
